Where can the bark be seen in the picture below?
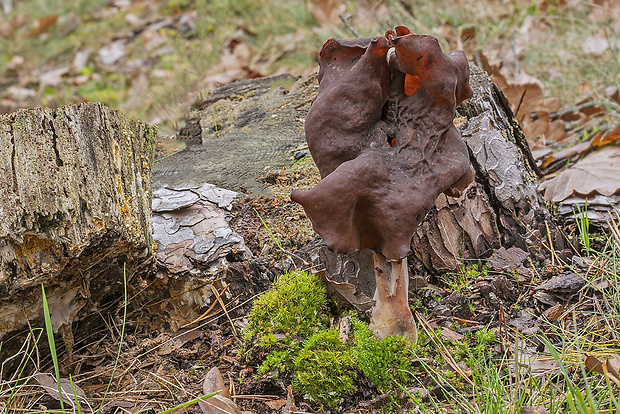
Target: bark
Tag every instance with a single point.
(503, 206)
(75, 203)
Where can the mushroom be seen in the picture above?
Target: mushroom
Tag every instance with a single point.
(382, 135)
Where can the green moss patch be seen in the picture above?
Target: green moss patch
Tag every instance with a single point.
(325, 370)
(296, 306)
(385, 361)
(288, 338)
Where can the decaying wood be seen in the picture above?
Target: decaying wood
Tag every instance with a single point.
(75, 204)
(241, 133)
(503, 206)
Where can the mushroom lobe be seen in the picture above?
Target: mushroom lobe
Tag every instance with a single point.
(381, 133)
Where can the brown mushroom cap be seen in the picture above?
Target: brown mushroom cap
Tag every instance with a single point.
(385, 147)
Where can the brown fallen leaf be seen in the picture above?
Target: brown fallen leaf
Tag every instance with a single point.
(574, 150)
(596, 173)
(184, 336)
(538, 364)
(70, 392)
(326, 11)
(450, 335)
(609, 367)
(609, 137)
(41, 25)
(237, 63)
(220, 403)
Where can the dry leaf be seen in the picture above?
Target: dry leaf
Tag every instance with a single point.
(43, 24)
(607, 138)
(220, 403)
(450, 335)
(609, 368)
(237, 63)
(539, 365)
(580, 149)
(69, 393)
(110, 55)
(597, 173)
(370, 12)
(184, 336)
(596, 45)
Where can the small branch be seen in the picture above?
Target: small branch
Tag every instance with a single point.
(345, 20)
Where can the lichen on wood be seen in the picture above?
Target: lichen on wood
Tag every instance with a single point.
(74, 206)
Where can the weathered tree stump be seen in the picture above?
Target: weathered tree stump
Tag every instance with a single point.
(75, 206)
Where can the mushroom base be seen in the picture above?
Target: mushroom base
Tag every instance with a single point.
(391, 314)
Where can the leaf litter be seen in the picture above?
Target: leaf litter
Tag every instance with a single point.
(578, 140)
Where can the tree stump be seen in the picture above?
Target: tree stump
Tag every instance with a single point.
(75, 206)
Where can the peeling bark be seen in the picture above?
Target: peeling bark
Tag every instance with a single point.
(75, 204)
(502, 207)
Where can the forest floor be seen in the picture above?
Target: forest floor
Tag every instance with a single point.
(491, 341)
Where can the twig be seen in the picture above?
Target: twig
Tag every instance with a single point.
(466, 321)
(442, 349)
(345, 20)
(520, 102)
(206, 315)
(614, 228)
(550, 244)
(219, 299)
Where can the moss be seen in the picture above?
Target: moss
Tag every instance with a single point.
(278, 362)
(296, 306)
(325, 370)
(384, 362)
(293, 309)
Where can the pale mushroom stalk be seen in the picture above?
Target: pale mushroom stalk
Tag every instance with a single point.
(391, 314)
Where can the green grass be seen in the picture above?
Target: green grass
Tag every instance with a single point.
(284, 36)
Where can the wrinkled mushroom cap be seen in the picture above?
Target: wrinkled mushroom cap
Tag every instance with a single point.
(385, 147)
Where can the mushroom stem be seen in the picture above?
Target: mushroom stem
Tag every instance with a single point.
(391, 314)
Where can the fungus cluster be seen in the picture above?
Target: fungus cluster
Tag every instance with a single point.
(381, 133)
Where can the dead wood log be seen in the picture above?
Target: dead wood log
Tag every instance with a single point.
(75, 204)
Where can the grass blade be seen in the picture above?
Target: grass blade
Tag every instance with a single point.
(52, 344)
